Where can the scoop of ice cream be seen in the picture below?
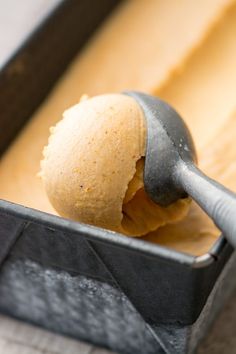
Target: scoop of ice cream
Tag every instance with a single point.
(93, 167)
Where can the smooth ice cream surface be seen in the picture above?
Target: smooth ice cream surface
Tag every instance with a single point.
(93, 167)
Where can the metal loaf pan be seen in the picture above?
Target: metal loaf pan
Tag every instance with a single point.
(124, 294)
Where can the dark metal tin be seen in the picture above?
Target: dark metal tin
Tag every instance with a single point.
(121, 293)
(30, 70)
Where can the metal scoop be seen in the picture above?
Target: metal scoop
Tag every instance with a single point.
(170, 172)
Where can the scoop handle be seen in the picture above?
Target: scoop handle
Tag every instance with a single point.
(216, 200)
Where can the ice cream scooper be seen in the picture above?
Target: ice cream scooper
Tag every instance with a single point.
(170, 171)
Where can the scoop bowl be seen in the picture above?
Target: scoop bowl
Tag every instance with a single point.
(170, 170)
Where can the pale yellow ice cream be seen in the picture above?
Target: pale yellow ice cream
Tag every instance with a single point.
(93, 167)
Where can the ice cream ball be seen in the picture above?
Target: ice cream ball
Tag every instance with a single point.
(92, 167)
